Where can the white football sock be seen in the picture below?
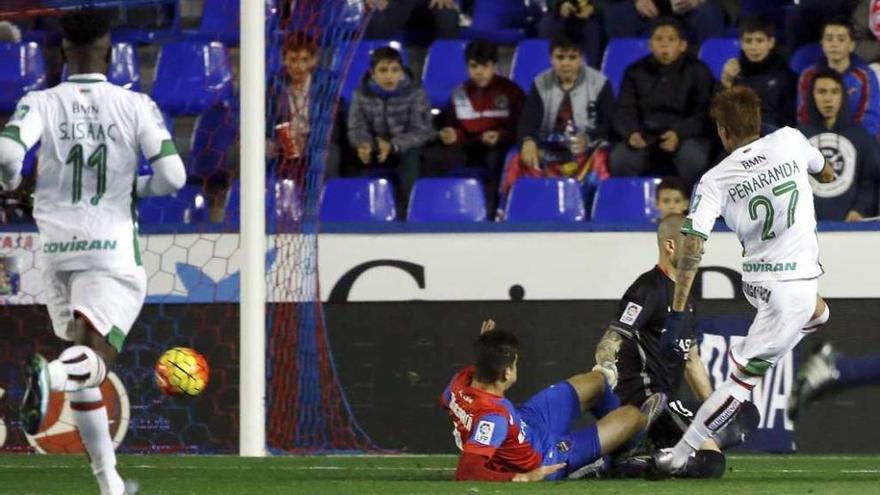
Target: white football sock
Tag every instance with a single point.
(78, 367)
(715, 413)
(94, 429)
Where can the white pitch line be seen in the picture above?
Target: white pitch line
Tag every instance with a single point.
(239, 468)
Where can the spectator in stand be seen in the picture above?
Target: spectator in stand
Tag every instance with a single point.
(852, 153)
(859, 81)
(479, 125)
(634, 18)
(662, 110)
(805, 20)
(389, 17)
(760, 67)
(565, 123)
(390, 120)
(579, 19)
(672, 197)
(866, 30)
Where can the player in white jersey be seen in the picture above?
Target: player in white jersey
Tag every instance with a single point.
(762, 191)
(92, 134)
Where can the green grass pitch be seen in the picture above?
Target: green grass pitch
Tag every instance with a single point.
(365, 475)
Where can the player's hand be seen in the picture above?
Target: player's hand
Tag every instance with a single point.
(730, 71)
(669, 141)
(385, 149)
(675, 321)
(365, 150)
(854, 216)
(528, 155)
(490, 138)
(487, 326)
(646, 8)
(609, 371)
(538, 474)
(567, 9)
(636, 141)
(448, 136)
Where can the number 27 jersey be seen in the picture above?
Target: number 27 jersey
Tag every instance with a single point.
(92, 134)
(763, 193)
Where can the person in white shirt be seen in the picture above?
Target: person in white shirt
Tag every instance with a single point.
(92, 134)
(762, 191)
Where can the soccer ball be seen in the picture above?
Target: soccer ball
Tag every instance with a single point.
(181, 371)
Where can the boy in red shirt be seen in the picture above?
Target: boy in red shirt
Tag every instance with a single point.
(500, 442)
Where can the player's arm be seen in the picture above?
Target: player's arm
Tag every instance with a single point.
(826, 175)
(817, 165)
(154, 139)
(696, 375)
(606, 355)
(20, 134)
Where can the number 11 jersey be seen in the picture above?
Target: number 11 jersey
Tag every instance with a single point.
(763, 193)
(92, 134)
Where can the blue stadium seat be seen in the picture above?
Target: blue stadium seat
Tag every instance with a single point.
(358, 200)
(192, 77)
(447, 200)
(445, 68)
(164, 27)
(22, 69)
(214, 132)
(282, 204)
(360, 63)
(125, 69)
(500, 21)
(546, 199)
(530, 59)
(805, 56)
(715, 52)
(220, 22)
(177, 208)
(626, 199)
(620, 54)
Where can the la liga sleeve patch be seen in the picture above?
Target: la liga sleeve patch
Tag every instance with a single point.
(630, 313)
(483, 432)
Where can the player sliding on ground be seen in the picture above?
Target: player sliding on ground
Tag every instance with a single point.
(92, 134)
(500, 442)
(633, 361)
(762, 191)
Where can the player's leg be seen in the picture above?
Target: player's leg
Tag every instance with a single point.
(594, 394)
(776, 329)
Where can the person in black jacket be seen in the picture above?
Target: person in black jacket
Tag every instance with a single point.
(661, 113)
(848, 147)
(760, 67)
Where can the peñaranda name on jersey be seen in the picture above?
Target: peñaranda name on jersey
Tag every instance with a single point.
(73, 246)
(763, 179)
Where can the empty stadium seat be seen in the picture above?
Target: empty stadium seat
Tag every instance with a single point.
(626, 199)
(214, 132)
(191, 77)
(805, 56)
(22, 69)
(445, 68)
(447, 200)
(545, 199)
(358, 200)
(715, 52)
(530, 59)
(360, 63)
(220, 22)
(125, 69)
(620, 54)
(500, 21)
(176, 208)
(145, 24)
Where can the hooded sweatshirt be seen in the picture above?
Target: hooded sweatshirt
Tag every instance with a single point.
(861, 88)
(853, 154)
(401, 116)
(775, 83)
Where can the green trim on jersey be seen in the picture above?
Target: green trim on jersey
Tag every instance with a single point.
(86, 81)
(14, 133)
(136, 243)
(116, 337)
(167, 149)
(687, 228)
(757, 367)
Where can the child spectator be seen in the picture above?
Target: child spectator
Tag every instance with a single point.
(662, 110)
(390, 119)
(565, 122)
(579, 20)
(481, 120)
(633, 18)
(672, 197)
(858, 80)
(760, 67)
(851, 151)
